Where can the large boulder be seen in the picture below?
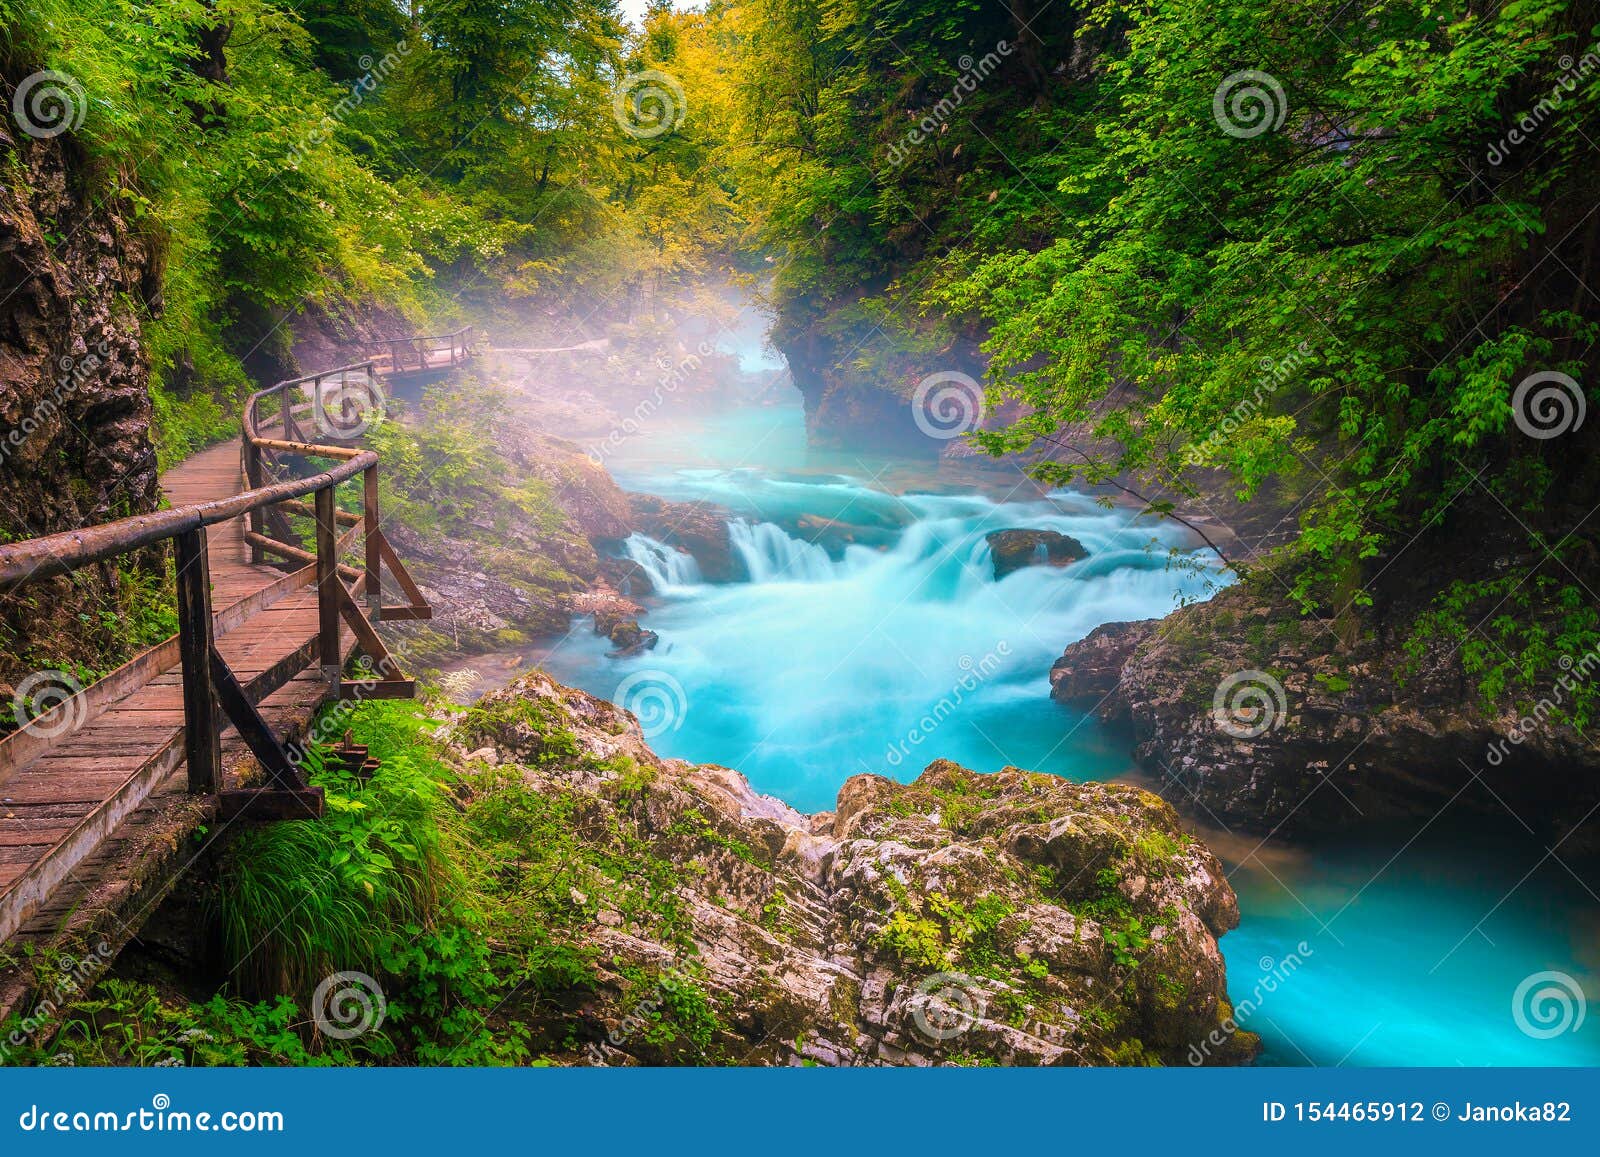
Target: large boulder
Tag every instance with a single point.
(701, 528)
(1256, 717)
(1087, 677)
(1015, 918)
(1014, 549)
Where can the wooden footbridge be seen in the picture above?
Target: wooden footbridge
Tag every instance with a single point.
(201, 728)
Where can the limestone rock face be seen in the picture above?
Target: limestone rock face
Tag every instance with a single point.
(1088, 675)
(529, 572)
(1323, 737)
(1013, 918)
(76, 275)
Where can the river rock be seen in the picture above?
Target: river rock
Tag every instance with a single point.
(834, 535)
(627, 577)
(1087, 676)
(630, 638)
(1015, 918)
(701, 528)
(1014, 549)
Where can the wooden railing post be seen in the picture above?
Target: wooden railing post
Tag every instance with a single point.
(291, 424)
(253, 479)
(202, 738)
(327, 587)
(369, 489)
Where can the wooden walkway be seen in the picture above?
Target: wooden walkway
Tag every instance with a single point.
(97, 814)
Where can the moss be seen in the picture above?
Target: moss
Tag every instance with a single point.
(548, 740)
(633, 779)
(1155, 851)
(1132, 1053)
(694, 825)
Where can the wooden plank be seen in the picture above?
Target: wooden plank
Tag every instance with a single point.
(247, 721)
(330, 591)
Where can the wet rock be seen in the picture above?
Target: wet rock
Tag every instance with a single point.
(701, 528)
(628, 578)
(833, 535)
(1014, 917)
(1325, 735)
(1014, 549)
(628, 636)
(1088, 675)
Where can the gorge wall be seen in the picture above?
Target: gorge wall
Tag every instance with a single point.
(77, 276)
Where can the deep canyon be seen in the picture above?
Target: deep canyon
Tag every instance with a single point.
(860, 628)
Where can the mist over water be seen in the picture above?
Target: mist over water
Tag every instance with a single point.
(886, 656)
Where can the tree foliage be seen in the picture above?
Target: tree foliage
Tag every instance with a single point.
(1342, 295)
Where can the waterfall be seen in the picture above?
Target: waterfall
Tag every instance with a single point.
(772, 555)
(668, 568)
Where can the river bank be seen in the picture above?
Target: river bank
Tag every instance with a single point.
(879, 658)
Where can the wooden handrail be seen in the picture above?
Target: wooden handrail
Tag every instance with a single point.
(412, 354)
(210, 689)
(37, 558)
(212, 694)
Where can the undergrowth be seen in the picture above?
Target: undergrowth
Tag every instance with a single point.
(465, 895)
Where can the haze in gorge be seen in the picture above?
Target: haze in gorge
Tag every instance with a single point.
(816, 665)
(786, 533)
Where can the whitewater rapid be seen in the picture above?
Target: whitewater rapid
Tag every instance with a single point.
(878, 658)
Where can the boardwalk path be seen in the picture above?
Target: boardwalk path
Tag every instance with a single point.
(98, 814)
(42, 800)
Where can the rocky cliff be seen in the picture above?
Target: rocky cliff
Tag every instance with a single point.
(861, 390)
(1259, 718)
(1013, 918)
(514, 568)
(75, 275)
